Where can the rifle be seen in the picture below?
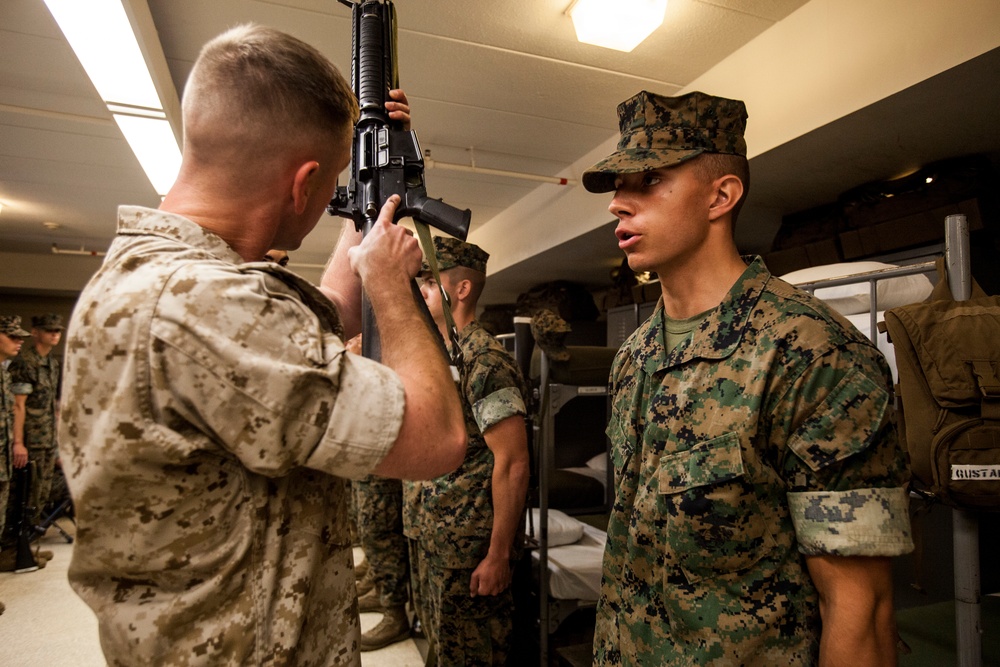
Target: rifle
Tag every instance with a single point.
(24, 560)
(385, 158)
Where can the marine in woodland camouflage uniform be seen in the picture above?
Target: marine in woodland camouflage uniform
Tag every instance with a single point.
(379, 503)
(13, 335)
(37, 377)
(745, 439)
(210, 414)
(451, 520)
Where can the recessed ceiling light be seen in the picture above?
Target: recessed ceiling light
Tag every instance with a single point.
(616, 24)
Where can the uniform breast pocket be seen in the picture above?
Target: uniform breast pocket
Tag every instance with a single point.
(714, 521)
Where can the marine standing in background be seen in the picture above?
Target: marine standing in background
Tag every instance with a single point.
(378, 502)
(465, 527)
(11, 340)
(37, 383)
(760, 489)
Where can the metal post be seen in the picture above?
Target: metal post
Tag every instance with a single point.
(545, 459)
(965, 524)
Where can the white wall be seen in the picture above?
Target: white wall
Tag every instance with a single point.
(826, 60)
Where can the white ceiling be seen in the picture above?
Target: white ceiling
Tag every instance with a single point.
(503, 82)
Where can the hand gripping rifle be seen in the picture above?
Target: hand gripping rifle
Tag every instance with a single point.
(385, 159)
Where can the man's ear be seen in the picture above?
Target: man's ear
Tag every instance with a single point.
(303, 185)
(462, 289)
(727, 190)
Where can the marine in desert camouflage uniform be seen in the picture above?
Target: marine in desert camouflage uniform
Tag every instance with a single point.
(464, 526)
(37, 383)
(759, 482)
(210, 412)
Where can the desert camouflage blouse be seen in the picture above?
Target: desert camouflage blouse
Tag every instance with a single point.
(209, 418)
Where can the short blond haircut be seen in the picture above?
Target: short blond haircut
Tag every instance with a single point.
(257, 84)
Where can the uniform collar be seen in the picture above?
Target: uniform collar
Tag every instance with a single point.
(139, 220)
(719, 334)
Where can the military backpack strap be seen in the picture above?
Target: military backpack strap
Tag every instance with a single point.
(989, 387)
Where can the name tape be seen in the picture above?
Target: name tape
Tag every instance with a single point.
(986, 472)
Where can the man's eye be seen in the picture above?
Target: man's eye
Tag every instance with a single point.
(650, 179)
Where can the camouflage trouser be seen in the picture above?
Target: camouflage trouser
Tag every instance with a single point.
(13, 512)
(4, 498)
(461, 629)
(41, 481)
(380, 530)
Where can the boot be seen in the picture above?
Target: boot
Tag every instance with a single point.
(369, 602)
(394, 627)
(8, 561)
(366, 583)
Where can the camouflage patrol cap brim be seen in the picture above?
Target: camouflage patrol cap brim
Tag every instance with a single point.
(659, 132)
(452, 252)
(10, 325)
(549, 331)
(47, 322)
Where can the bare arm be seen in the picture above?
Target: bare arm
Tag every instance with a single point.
(20, 451)
(432, 437)
(508, 441)
(341, 284)
(855, 604)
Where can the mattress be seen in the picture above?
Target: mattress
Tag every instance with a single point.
(575, 569)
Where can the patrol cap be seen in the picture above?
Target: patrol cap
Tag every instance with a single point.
(452, 252)
(549, 331)
(658, 131)
(47, 322)
(11, 325)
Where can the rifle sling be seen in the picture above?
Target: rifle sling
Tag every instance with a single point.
(427, 244)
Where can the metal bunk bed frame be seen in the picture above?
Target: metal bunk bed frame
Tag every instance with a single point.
(553, 396)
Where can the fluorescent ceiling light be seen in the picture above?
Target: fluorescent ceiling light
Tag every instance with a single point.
(155, 146)
(102, 38)
(616, 24)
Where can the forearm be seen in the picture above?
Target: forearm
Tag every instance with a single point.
(856, 637)
(341, 284)
(432, 423)
(20, 414)
(856, 609)
(510, 488)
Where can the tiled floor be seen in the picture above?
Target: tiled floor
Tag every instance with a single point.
(47, 625)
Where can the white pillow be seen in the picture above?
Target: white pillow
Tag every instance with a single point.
(856, 298)
(563, 529)
(599, 462)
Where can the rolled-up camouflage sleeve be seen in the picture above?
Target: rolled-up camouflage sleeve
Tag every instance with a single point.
(278, 393)
(494, 390)
(863, 522)
(498, 406)
(847, 473)
(23, 381)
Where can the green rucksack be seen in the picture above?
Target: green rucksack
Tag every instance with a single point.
(948, 360)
